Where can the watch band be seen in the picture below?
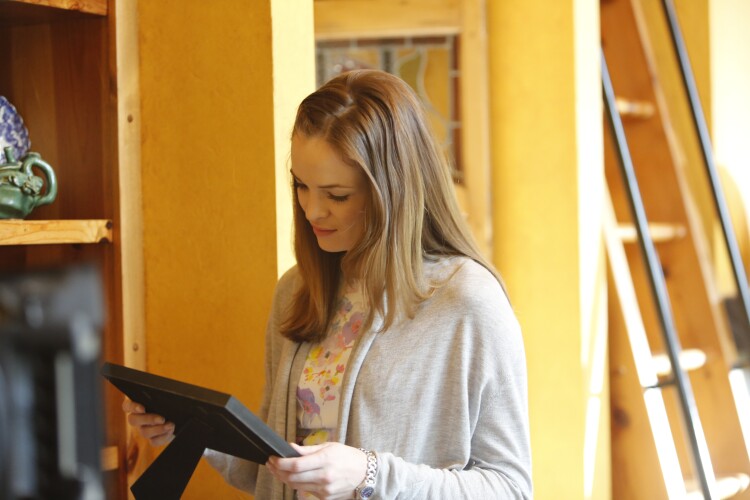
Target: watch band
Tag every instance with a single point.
(367, 487)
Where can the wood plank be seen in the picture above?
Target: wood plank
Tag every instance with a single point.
(98, 7)
(48, 232)
(341, 19)
(475, 120)
(633, 419)
(134, 348)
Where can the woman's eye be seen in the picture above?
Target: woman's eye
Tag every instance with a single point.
(338, 199)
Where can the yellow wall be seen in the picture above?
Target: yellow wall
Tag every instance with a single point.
(730, 101)
(213, 133)
(547, 194)
(730, 77)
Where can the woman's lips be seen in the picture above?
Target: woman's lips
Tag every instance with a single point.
(319, 231)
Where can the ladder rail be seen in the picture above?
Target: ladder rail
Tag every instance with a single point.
(701, 128)
(696, 437)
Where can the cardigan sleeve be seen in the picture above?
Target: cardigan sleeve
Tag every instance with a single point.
(487, 360)
(500, 456)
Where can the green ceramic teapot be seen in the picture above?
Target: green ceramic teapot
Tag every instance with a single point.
(20, 189)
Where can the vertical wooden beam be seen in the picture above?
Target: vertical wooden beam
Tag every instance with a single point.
(131, 201)
(124, 29)
(475, 120)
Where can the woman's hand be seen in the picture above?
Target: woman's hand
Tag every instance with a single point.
(149, 425)
(330, 471)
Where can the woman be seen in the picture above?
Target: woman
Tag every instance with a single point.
(394, 361)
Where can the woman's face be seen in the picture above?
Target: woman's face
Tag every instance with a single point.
(332, 194)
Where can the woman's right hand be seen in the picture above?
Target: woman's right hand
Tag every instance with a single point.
(149, 425)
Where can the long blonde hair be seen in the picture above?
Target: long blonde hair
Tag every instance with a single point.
(376, 122)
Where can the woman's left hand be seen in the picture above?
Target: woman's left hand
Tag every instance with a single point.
(330, 471)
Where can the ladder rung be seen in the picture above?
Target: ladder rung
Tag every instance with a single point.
(726, 487)
(690, 359)
(634, 109)
(659, 232)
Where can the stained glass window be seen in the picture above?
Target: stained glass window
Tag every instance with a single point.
(428, 64)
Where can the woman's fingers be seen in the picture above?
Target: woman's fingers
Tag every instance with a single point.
(162, 439)
(129, 406)
(158, 434)
(144, 419)
(328, 471)
(149, 425)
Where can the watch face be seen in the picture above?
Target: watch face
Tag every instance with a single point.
(366, 492)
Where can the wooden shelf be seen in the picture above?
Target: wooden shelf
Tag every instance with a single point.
(46, 232)
(98, 7)
(15, 13)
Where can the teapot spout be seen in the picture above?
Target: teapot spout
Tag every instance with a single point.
(9, 156)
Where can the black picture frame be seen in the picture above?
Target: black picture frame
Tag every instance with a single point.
(203, 418)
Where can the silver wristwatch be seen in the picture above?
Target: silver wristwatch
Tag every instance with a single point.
(367, 487)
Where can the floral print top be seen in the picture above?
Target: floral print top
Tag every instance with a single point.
(320, 383)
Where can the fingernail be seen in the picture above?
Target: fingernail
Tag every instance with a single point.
(160, 420)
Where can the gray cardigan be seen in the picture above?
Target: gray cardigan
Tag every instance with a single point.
(441, 398)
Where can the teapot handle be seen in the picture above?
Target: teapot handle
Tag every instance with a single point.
(34, 160)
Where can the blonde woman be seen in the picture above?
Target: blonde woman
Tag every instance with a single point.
(392, 333)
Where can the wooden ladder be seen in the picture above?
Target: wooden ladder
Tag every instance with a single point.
(676, 433)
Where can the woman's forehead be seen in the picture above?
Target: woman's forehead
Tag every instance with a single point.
(316, 162)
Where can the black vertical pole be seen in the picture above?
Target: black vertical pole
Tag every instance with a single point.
(697, 439)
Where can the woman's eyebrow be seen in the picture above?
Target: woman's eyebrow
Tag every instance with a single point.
(327, 186)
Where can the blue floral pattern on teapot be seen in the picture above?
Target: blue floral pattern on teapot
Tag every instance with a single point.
(13, 132)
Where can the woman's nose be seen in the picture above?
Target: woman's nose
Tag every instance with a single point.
(315, 208)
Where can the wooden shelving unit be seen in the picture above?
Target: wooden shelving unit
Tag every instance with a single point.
(60, 72)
